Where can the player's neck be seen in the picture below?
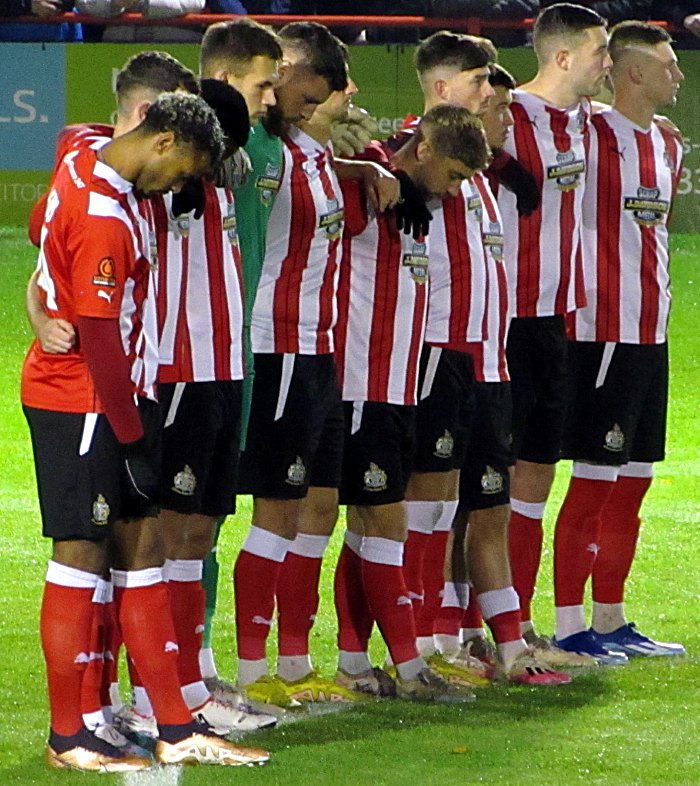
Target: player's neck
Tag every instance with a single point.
(638, 112)
(553, 89)
(122, 155)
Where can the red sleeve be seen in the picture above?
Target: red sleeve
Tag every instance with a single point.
(102, 254)
(354, 206)
(499, 160)
(36, 219)
(101, 345)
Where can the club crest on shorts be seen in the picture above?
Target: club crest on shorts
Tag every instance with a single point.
(100, 511)
(184, 482)
(296, 473)
(444, 446)
(614, 439)
(375, 478)
(491, 481)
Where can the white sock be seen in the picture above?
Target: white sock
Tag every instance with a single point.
(446, 643)
(467, 634)
(142, 704)
(353, 662)
(570, 620)
(251, 670)
(410, 669)
(294, 667)
(509, 651)
(195, 694)
(206, 663)
(115, 696)
(426, 646)
(608, 617)
(93, 719)
(526, 626)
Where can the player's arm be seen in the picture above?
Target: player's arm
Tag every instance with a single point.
(381, 187)
(55, 336)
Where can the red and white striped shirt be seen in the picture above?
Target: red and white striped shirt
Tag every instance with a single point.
(382, 304)
(489, 356)
(458, 272)
(200, 292)
(295, 304)
(544, 276)
(94, 262)
(631, 181)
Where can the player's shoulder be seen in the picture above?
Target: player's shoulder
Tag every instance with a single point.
(80, 136)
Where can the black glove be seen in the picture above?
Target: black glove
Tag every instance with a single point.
(517, 179)
(412, 216)
(190, 197)
(141, 473)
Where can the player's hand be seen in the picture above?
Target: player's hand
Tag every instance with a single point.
(142, 472)
(412, 214)
(666, 124)
(190, 197)
(55, 336)
(352, 135)
(692, 23)
(234, 171)
(517, 179)
(381, 187)
(46, 7)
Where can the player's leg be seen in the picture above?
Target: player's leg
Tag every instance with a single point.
(536, 352)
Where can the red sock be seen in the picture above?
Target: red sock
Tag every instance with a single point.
(618, 538)
(576, 538)
(113, 643)
(448, 621)
(66, 619)
(387, 596)
(502, 613)
(91, 693)
(187, 601)
(255, 579)
(413, 565)
(143, 608)
(433, 581)
(525, 536)
(355, 619)
(471, 616)
(297, 593)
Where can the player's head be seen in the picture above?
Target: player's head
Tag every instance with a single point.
(497, 118)
(315, 65)
(231, 111)
(179, 138)
(644, 60)
(142, 79)
(247, 55)
(335, 107)
(571, 41)
(454, 68)
(450, 146)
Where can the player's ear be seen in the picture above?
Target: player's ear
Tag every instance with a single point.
(164, 142)
(636, 73)
(424, 151)
(441, 89)
(140, 110)
(284, 71)
(562, 58)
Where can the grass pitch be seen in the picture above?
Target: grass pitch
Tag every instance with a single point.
(636, 725)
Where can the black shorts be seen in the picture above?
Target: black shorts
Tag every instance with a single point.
(201, 446)
(295, 398)
(618, 400)
(378, 454)
(536, 354)
(484, 481)
(445, 406)
(80, 472)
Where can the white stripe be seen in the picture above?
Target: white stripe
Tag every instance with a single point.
(106, 207)
(637, 469)
(137, 578)
(65, 576)
(285, 382)
(430, 371)
(605, 363)
(88, 433)
(357, 409)
(594, 472)
(174, 404)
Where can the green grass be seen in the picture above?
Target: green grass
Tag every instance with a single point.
(632, 726)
